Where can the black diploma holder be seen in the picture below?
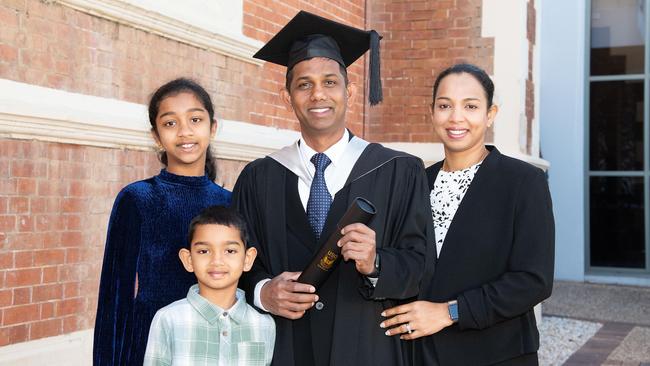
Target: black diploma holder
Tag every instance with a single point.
(326, 259)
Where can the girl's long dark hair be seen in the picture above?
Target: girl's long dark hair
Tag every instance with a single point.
(174, 87)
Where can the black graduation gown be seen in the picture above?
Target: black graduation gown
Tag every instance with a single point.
(497, 261)
(396, 184)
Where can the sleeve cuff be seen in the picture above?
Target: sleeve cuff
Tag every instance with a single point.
(258, 289)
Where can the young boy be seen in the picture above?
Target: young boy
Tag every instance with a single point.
(213, 325)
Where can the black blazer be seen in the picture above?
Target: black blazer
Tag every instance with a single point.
(497, 261)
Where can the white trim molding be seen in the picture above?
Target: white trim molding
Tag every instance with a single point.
(510, 69)
(34, 112)
(65, 350)
(247, 141)
(155, 17)
(433, 152)
(626, 279)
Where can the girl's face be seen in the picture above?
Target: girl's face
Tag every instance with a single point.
(460, 113)
(184, 130)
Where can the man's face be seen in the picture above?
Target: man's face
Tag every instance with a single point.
(318, 96)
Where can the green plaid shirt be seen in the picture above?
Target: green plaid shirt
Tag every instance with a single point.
(193, 332)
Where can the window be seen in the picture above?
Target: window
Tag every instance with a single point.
(618, 168)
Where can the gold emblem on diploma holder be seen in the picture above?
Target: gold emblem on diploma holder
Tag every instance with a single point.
(327, 261)
(323, 261)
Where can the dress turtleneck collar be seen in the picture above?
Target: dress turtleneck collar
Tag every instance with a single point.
(172, 178)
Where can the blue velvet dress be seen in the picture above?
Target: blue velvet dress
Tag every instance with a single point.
(148, 226)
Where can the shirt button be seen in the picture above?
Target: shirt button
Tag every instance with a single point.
(319, 306)
(225, 314)
(224, 333)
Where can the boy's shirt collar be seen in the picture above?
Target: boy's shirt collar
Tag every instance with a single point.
(211, 312)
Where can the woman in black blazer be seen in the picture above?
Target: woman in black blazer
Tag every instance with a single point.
(494, 253)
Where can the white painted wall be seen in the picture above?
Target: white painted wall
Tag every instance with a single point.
(562, 122)
(216, 16)
(535, 149)
(505, 20)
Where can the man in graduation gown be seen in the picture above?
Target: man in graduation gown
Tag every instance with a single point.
(293, 199)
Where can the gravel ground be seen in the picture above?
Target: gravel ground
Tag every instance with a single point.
(561, 337)
(600, 302)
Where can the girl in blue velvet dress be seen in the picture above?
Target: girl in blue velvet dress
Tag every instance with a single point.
(149, 222)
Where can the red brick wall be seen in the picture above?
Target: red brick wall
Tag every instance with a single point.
(94, 56)
(54, 205)
(57, 47)
(421, 38)
(55, 199)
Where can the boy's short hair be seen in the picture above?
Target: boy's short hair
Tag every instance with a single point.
(219, 215)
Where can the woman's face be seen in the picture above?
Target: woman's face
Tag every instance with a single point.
(460, 113)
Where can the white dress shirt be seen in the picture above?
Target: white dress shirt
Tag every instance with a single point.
(334, 176)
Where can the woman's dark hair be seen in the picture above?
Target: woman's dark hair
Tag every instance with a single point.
(478, 74)
(175, 87)
(218, 215)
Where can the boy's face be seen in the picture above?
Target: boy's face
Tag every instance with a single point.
(217, 257)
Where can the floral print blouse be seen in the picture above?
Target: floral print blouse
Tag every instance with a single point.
(448, 191)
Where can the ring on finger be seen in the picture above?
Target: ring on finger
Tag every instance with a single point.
(408, 328)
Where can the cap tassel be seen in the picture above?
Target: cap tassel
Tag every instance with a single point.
(376, 95)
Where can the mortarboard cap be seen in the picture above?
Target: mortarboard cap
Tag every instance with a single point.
(308, 35)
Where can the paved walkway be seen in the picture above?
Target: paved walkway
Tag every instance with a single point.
(623, 311)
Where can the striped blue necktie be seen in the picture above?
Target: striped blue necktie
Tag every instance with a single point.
(320, 199)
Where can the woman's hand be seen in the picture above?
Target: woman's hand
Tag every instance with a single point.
(416, 319)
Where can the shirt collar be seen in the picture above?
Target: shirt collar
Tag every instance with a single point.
(212, 312)
(334, 153)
